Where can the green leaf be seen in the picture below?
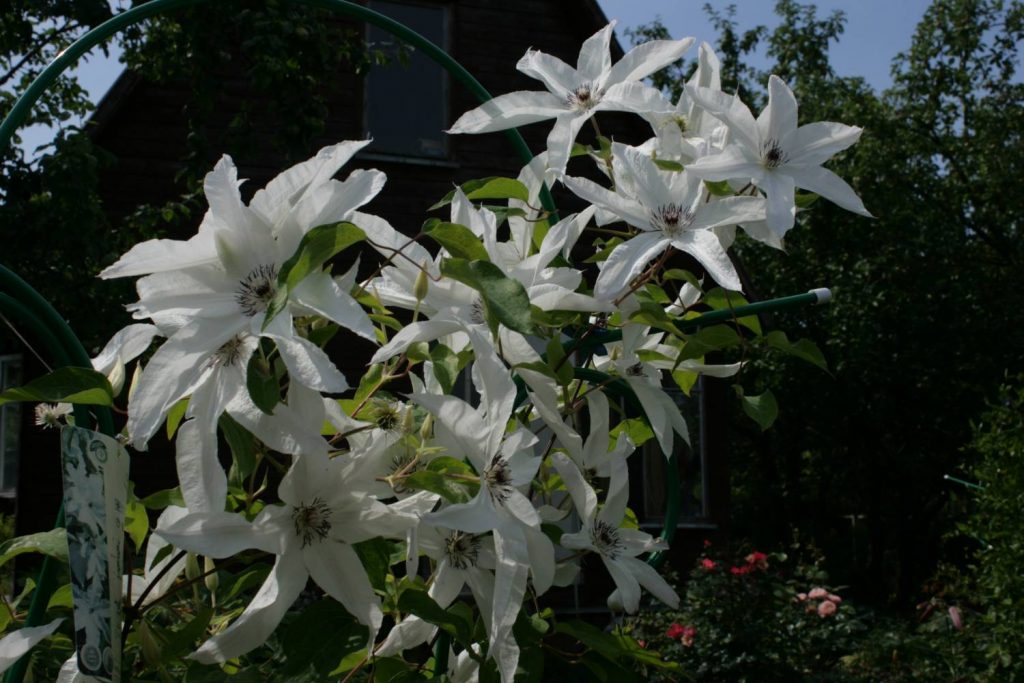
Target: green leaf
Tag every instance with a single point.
(316, 248)
(723, 299)
(161, 499)
(185, 639)
(174, 416)
(804, 348)
(501, 188)
(668, 165)
(446, 366)
(136, 522)
(707, 340)
(436, 482)
(638, 431)
(53, 543)
(62, 597)
(375, 555)
(84, 386)
(805, 199)
(762, 408)
(416, 601)
(559, 363)
(654, 315)
(262, 385)
(321, 635)
(718, 188)
(506, 299)
(488, 188)
(242, 444)
(458, 240)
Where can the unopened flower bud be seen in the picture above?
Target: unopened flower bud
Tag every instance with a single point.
(408, 421)
(212, 580)
(419, 289)
(192, 571)
(427, 427)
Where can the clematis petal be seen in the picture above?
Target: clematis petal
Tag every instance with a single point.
(627, 588)
(421, 330)
(307, 363)
(705, 246)
(780, 187)
(618, 494)
(816, 143)
(204, 486)
(509, 111)
(583, 496)
(17, 643)
(222, 534)
(172, 371)
(321, 294)
(646, 58)
(276, 200)
(626, 262)
(830, 186)
(649, 578)
(458, 427)
(157, 256)
(558, 77)
(542, 559)
(638, 98)
(337, 569)
(662, 412)
(286, 580)
(732, 112)
(595, 57)
(778, 120)
(561, 137)
(732, 163)
(729, 211)
(125, 346)
(626, 209)
(476, 516)
(509, 590)
(520, 507)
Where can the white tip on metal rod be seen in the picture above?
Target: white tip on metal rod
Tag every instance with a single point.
(824, 294)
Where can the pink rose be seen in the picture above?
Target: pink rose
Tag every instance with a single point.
(817, 593)
(801, 597)
(834, 598)
(827, 609)
(708, 564)
(689, 633)
(954, 616)
(675, 631)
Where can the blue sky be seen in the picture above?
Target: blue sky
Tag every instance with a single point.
(876, 31)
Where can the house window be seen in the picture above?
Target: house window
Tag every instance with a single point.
(407, 98)
(10, 427)
(648, 484)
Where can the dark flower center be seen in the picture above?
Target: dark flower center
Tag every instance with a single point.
(256, 289)
(477, 313)
(498, 477)
(772, 154)
(312, 522)
(671, 219)
(582, 97)
(462, 549)
(606, 539)
(229, 354)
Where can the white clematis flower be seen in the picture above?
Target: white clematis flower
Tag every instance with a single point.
(670, 210)
(17, 643)
(574, 95)
(775, 154)
(617, 547)
(311, 534)
(214, 289)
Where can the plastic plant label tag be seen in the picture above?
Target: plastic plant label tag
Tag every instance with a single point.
(95, 471)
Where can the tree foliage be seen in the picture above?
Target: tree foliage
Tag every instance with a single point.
(928, 299)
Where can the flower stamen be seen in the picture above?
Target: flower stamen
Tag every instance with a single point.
(498, 477)
(671, 219)
(606, 539)
(312, 522)
(256, 289)
(772, 154)
(462, 549)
